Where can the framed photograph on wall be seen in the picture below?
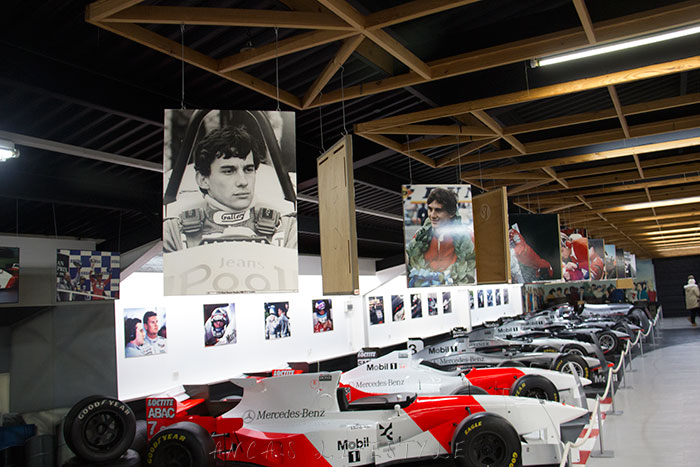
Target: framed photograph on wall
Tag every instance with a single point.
(480, 298)
(489, 297)
(277, 324)
(446, 302)
(83, 275)
(9, 274)
(416, 306)
(397, 309)
(497, 293)
(506, 298)
(432, 304)
(145, 332)
(219, 324)
(322, 315)
(376, 310)
(471, 299)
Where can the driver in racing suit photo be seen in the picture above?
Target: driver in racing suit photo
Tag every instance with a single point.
(226, 163)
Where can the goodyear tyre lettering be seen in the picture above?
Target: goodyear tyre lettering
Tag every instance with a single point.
(472, 426)
(513, 460)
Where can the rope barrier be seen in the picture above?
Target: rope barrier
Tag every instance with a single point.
(595, 418)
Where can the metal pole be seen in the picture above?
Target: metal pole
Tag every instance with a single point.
(612, 410)
(623, 383)
(641, 345)
(653, 336)
(602, 452)
(631, 370)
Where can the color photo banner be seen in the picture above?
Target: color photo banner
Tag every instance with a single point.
(9, 274)
(596, 259)
(574, 255)
(229, 202)
(439, 235)
(610, 261)
(86, 275)
(534, 248)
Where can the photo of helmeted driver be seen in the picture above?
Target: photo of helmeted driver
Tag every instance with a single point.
(229, 193)
(398, 313)
(219, 324)
(447, 302)
(432, 304)
(323, 320)
(416, 306)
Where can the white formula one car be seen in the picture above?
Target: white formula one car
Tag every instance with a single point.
(399, 371)
(306, 420)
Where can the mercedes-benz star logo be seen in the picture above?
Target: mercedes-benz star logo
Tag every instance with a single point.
(248, 416)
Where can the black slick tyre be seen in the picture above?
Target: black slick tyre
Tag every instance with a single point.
(578, 365)
(609, 342)
(130, 458)
(99, 428)
(535, 386)
(183, 444)
(469, 390)
(510, 363)
(140, 437)
(486, 440)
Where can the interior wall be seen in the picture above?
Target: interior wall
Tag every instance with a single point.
(671, 275)
(63, 355)
(37, 266)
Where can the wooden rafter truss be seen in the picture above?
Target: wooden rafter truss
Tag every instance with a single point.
(642, 175)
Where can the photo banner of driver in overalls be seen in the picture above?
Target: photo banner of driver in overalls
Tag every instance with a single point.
(229, 202)
(439, 235)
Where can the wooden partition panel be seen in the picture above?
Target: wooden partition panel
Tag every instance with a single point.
(491, 237)
(336, 210)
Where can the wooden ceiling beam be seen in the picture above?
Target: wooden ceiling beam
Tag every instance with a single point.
(297, 43)
(669, 231)
(410, 11)
(647, 164)
(497, 128)
(560, 208)
(174, 49)
(454, 157)
(594, 156)
(584, 84)
(438, 130)
(447, 141)
(398, 147)
(346, 49)
(597, 115)
(552, 173)
(649, 205)
(563, 41)
(525, 187)
(101, 9)
(229, 17)
(585, 19)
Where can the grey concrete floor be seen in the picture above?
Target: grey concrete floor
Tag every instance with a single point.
(660, 425)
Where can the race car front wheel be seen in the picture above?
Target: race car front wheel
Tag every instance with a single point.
(574, 349)
(183, 444)
(608, 341)
(486, 440)
(469, 390)
(535, 386)
(569, 363)
(99, 428)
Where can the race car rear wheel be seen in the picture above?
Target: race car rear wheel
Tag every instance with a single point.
(574, 349)
(568, 363)
(608, 341)
(183, 444)
(486, 440)
(99, 428)
(535, 386)
(469, 390)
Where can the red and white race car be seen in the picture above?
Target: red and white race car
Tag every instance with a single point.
(307, 420)
(398, 371)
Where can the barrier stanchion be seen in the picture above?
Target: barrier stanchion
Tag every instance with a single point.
(612, 410)
(623, 382)
(601, 452)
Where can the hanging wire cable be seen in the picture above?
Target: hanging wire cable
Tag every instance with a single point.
(277, 69)
(320, 113)
(459, 159)
(410, 172)
(182, 66)
(119, 233)
(17, 217)
(342, 97)
(55, 225)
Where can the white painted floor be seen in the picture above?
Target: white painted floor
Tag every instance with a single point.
(661, 422)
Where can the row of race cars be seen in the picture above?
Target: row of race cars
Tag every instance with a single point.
(505, 394)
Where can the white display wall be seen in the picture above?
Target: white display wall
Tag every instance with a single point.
(188, 361)
(514, 307)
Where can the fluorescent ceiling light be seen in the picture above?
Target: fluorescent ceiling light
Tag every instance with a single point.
(603, 49)
(8, 150)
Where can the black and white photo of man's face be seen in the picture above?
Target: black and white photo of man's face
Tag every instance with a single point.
(231, 181)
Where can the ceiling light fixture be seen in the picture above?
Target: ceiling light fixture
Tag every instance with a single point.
(614, 47)
(8, 150)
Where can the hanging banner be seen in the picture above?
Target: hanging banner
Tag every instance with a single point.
(620, 263)
(596, 258)
(630, 264)
(439, 235)
(574, 254)
(229, 201)
(535, 254)
(9, 274)
(86, 275)
(610, 261)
